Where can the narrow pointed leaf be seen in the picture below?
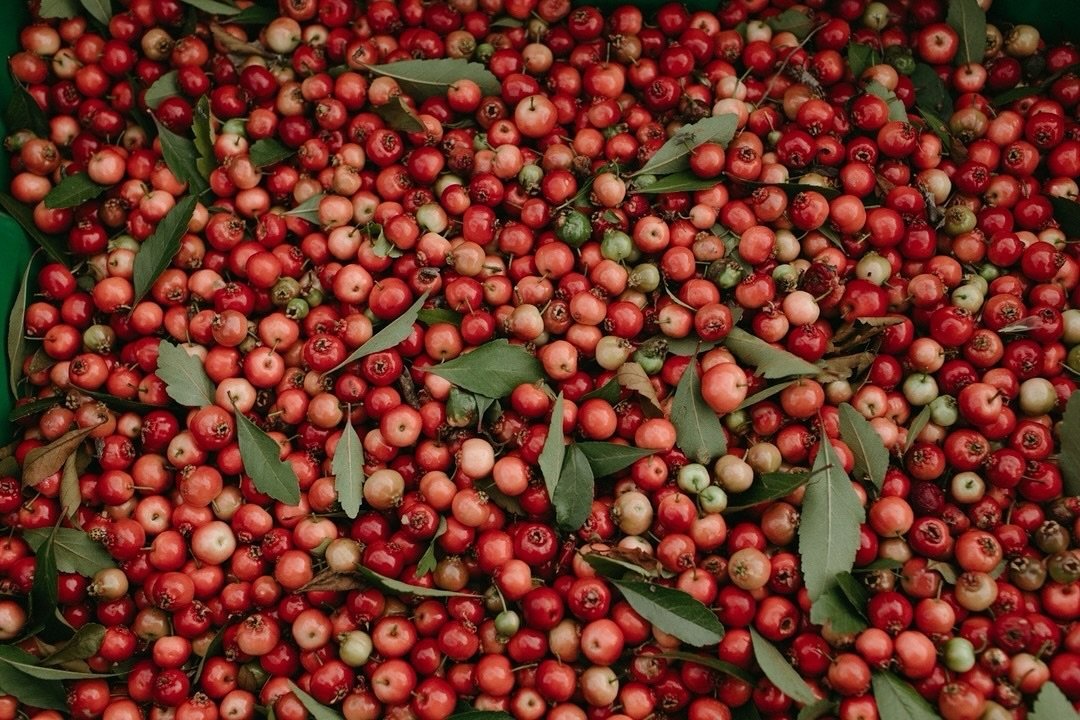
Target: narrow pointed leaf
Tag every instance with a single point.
(674, 155)
(771, 363)
(389, 336)
(766, 488)
(401, 588)
(76, 552)
(816, 710)
(610, 391)
(1069, 436)
(422, 79)
(262, 462)
(269, 151)
(254, 15)
(673, 611)
(697, 428)
(16, 339)
(70, 495)
(797, 23)
(101, 10)
(24, 215)
(184, 376)
(1051, 704)
(896, 700)
(157, 251)
(871, 456)
(45, 592)
(41, 462)
(214, 7)
(969, 21)
(764, 394)
(633, 377)
(829, 527)
(73, 191)
(492, 370)
(834, 609)
(919, 422)
(309, 209)
(779, 671)
(609, 458)
(164, 87)
(181, 156)
(428, 562)
(85, 643)
(931, 94)
(313, 706)
(574, 493)
(1067, 213)
(348, 469)
(554, 450)
(676, 182)
(712, 663)
(49, 695)
(27, 664)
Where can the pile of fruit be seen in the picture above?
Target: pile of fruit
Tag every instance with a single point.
(507, 359)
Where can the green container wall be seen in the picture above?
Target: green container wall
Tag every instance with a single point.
(14, 245)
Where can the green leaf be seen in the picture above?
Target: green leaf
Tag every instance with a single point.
(896, 700)
(690, 345)
(1051, 704)
(117, 403)
(16, 332)
(43, 461)
(423, 79)
(938, 127)
(430, 316)
(794, 188)
(181, 156)
(676, 182)
(1067, 213)
(348, 469)
(75, 551)
(780, 673)
(391, 335)
(399, 116)
(697, 427)
(70, 493)
(710, 662)
(632, 376)
(269, 151)
(481, 715)
(897, 111)
(829, 527)
(85, 643)
(766, 488)
(574, 494)
(45, 591)
(610, 391)
(853, 590)
(609, 458)
(871, 457)
(313, 706)
(101, 10)
(493, 369)
(184, 376)
(674, 155)
(204, 141)
(212, 649)
(24, 215)
(73, 191)
(817, 710)
(57, 9)
(27, 664)
(309, 209)
(969, 21)
(917, 424)
(880, 564)
(834, 609)
(764, 394)
(797, 23)
(254, 15)
(164, 87)
(23, 112)
(673, 611)
(930, 92)
(261, 456)
(157, 251)
(944, 569)
(214, 7)
(616, 562)
(746, 711)
(34, 407)
(1069, 437)
(860, 57)
(771, 363)
(49, 695)
(554, 451)
(427, 562)
(400, 588)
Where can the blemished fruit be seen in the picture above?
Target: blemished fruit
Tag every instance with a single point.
(236, 452)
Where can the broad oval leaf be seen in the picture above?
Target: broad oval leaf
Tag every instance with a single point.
(768, 487)
(771, 363)
(401, 588)
(101, 10)
(492, 370)
(896, 700)
(1051, 704)
(780, 673)
(164, 87)
(261, 456)
(674, 155)
(673, 611)
(76, 552)
(930, 92)
(157, 251)
(829, 526)
(268, 151)
(423, 79)
(969, 21)
(575, 491)
(689, 345)
(607, 458)
(73, 191)
(214, 7)
(871, 457)
(389, 336)
(676, 182)
(16, 338)
(184, 376)
(610, 391)
(554, 450)
(313, 706)
(633, 377)
(182, 157)
(41, 462)
(24, 215)
(697, 428)
(348, 469)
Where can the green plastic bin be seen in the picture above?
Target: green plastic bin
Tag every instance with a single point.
(15, 245)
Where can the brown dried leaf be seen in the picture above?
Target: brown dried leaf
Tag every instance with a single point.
(41, 462)
(633, 377)
(334, 581)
